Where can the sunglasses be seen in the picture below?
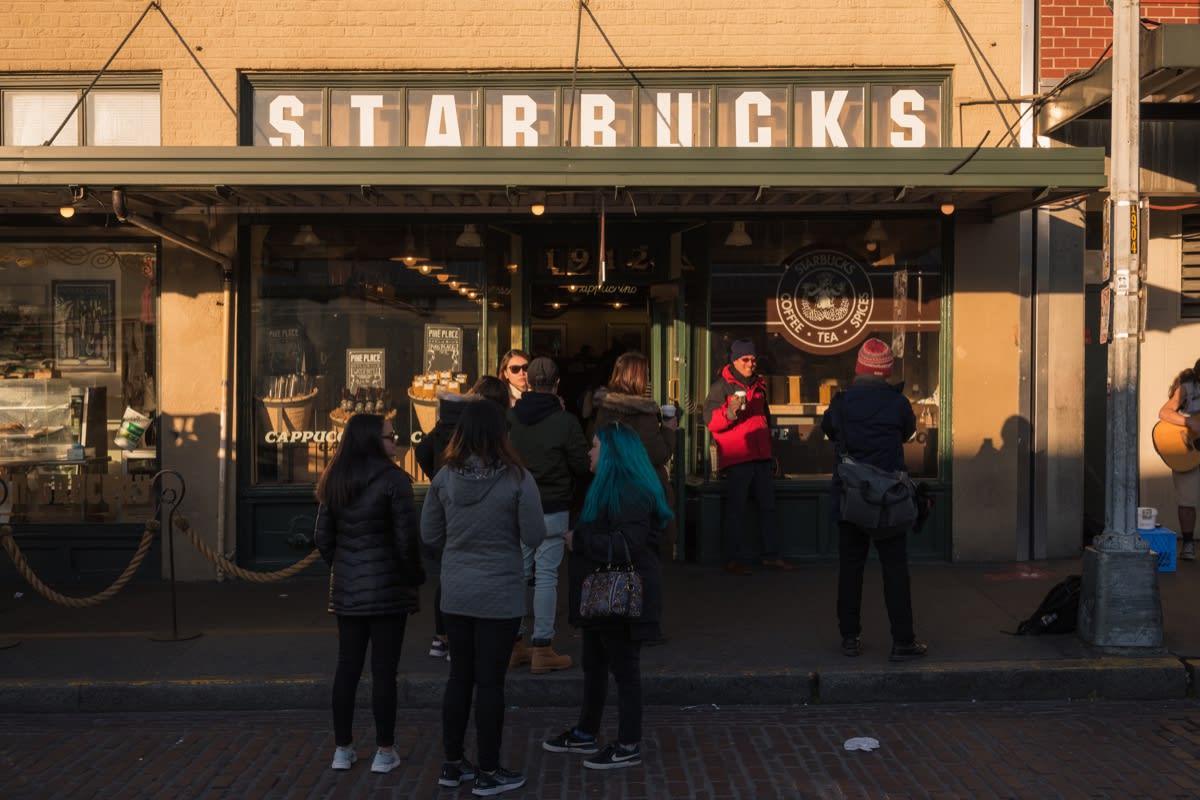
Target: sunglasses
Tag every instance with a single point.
(750, 359)
(515, 368)
(393, 437)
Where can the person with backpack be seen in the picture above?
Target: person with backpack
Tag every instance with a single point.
(870, 422)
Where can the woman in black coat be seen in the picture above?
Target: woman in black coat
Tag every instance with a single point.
(625, 508)
(367, 532)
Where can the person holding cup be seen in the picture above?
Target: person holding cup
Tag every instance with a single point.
(736, 415)
(626, 400)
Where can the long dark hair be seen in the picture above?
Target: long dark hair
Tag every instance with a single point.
(482, 432)
(489, 387)
(1192, 375)
(356, 460)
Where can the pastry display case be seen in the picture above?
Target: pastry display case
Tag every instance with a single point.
(35, 420)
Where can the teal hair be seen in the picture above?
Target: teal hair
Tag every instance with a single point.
(624, 471)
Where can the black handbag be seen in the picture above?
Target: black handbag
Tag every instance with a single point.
(612, 591)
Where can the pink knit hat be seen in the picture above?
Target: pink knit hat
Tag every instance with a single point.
(874, 358)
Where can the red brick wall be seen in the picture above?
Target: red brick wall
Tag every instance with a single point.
(1074, 33)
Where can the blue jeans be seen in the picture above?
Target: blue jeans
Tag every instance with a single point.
(542, 563)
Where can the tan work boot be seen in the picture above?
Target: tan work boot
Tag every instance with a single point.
(546, 660)
(521, 654)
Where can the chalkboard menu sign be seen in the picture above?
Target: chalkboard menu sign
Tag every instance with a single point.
(364, 369)
(443, 348)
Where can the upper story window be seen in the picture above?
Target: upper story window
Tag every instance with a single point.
(123, 111)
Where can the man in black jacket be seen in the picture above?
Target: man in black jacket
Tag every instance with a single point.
(871, 421)
(550, 441)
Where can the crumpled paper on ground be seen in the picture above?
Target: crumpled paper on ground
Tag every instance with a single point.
(862, 743)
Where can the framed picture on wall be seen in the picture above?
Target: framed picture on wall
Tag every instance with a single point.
(548, 340)
(629, 336)
(85, 333)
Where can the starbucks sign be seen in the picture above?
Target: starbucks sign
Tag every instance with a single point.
(824, 301)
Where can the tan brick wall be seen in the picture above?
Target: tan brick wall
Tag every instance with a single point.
(1074, 33)
(308, 35)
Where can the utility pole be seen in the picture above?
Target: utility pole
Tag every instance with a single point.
(1119, 607)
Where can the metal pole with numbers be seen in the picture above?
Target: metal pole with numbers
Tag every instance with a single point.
(1119, 605)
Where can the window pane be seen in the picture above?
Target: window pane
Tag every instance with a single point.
(30, 118)
(285, 118)
(906, 116)
(442, 118)
(520, 119)
(808, 293)
(123, 118)
(340, 323)
(830, 116)
(602, 118)
(78, 348)
(365, 119)
(675, 118)
(751, 118)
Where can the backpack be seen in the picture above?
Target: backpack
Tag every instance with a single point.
(1058, 611)
(880, 502)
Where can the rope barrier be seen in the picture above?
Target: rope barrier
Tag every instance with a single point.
(18, 559)
(233, 569)
(152, 526)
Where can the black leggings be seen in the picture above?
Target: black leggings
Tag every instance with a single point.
(481, 648)
(385, 632)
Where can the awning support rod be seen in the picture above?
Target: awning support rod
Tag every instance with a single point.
(122, 212)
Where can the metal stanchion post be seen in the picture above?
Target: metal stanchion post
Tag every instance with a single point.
(168, 496)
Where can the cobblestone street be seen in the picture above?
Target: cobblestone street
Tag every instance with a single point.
(977, 750)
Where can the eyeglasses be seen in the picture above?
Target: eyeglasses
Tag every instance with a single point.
(515, 368)
(391, 437)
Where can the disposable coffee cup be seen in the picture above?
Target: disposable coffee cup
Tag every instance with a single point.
(133, 425)
(1147, 518)
(668, 410)
(740, 393)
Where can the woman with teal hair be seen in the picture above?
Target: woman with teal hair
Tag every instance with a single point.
(625, 502)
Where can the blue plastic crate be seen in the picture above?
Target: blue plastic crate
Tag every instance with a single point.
(1162, 541)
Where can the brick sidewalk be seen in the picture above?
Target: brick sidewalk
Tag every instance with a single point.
(941, 751)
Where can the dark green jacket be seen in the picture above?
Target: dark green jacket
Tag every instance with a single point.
(550, 442)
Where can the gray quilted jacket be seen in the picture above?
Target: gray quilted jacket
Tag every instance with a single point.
(479, 517)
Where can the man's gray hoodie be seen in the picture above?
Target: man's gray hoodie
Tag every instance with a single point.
(479, 517)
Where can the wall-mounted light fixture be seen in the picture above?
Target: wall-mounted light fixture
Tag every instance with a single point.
(537, 205)
(469, 237)
(512, 267)
(78, 193)
(738, 237)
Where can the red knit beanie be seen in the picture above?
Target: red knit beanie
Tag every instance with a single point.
(874, 358)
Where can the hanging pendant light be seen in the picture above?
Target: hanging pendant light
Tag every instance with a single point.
(738, 237)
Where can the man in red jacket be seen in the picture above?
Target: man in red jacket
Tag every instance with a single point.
(736, 414)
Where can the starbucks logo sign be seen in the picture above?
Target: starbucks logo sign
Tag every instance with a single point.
(824, 301)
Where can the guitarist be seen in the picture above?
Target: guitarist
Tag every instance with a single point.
(1181, 408)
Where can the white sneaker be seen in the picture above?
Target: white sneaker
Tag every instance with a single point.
(385, 761)
(343, 757)
(1188, 551)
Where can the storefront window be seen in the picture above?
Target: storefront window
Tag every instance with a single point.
(808, 292)
(365, 119)
(347, 319)
(78, 356)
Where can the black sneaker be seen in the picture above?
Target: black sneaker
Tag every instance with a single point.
(852, 645)
(907, 652)
(614, 757)
(502, 780)
(571, 742)
(454, 774)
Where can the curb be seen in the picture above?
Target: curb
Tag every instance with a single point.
(1108, 678)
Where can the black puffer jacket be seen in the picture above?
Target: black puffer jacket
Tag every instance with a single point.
(372, 547)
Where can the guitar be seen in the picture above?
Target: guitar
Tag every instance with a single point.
(1175, 446)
